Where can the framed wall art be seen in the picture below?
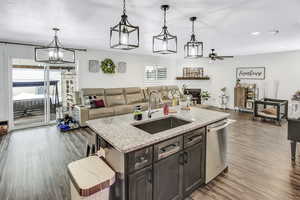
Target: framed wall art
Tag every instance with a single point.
(94, 66)
(122, 66)
(192, 72)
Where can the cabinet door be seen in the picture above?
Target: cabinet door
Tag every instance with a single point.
(193, 170)
(168, 178)
(240, 97)
(140, 184)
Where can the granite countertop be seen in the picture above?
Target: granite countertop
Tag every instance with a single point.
(122, 135)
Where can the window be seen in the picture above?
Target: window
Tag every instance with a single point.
(154, 73)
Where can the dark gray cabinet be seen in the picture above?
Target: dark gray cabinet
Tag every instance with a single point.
(140, 184)
(168, 175)
(193, 169)
(169, 170)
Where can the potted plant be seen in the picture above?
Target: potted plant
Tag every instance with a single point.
(204, 96)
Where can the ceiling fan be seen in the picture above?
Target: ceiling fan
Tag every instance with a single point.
(214, 56)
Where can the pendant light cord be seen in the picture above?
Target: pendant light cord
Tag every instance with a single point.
(124, 7)
(193, 27)
(55, 37)
(165, 16)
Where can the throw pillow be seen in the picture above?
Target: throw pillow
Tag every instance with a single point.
(99, 103)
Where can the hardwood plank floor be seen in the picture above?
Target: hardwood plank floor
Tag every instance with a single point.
(33, 164)
(259, 164)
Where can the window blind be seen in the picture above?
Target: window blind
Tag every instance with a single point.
(153, 73)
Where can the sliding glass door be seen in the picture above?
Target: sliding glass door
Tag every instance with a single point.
(37, 95)
(28, 95)
(54, 93)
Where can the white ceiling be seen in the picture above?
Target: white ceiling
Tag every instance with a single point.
(222, 24)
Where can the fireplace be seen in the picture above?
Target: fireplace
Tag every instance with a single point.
(195, 94)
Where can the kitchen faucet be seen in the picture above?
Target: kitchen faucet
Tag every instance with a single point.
(157, 94)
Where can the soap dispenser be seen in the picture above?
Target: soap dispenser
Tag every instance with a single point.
(166, 109)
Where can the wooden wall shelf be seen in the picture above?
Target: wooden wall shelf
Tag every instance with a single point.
(192, 78)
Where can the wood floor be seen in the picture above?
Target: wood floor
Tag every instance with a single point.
(33, 164)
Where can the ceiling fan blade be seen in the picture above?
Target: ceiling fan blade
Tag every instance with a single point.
(227, 56)
(219, 57)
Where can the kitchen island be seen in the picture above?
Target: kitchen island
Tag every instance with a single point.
(162, 158)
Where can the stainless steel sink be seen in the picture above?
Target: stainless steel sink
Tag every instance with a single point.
(160, 125)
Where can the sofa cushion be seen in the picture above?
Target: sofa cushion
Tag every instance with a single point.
(100, 112)
(114, 97)
(123, 109)
(132, 90)
(92, 91)
(134, 95)
(115, 100)
(113, 91)
(134, 98)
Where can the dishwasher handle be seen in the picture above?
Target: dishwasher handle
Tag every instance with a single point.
(216, 128)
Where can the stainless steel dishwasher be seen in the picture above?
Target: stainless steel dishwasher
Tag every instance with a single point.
(216, 149)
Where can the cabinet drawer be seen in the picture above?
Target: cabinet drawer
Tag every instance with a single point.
(167, 148)
(194, 137)
(140, 158)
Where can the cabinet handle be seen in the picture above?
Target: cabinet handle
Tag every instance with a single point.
(141, 162)
(181, 159)
(195, 137)
(169, 147)
(186, 157)
(149, 175)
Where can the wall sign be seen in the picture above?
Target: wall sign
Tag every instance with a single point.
(255, 73)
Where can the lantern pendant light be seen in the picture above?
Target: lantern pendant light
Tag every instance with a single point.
(54, 53)
(164, 42)
(193, 48)
(124, 35)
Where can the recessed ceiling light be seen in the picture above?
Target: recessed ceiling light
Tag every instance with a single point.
(274, 32)
(256, 33)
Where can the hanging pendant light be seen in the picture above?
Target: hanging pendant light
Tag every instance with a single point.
(164, 42)
(124, 35)
(54, 53)
(193, 48)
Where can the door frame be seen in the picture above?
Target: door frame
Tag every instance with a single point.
(46, 120)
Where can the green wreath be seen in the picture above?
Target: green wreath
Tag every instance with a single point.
(108, 66)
